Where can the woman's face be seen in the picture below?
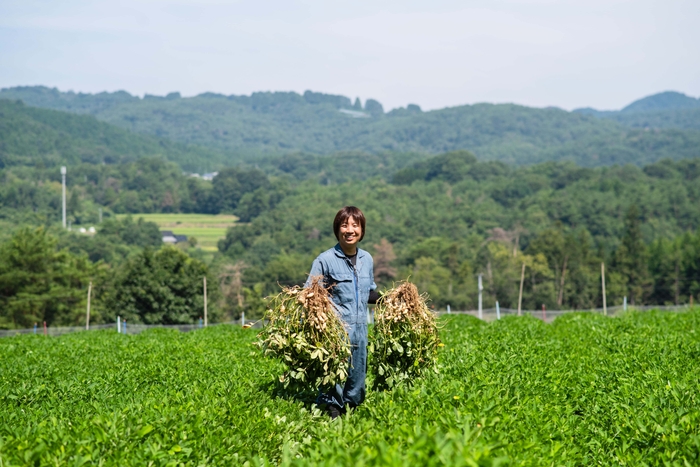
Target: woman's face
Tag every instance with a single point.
(349, 234)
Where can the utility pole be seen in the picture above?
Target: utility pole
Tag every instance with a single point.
(481, 287)
(63, 182)
(100, 215)
(520, 296)
(602, 275)
(87, 317)
(205, 301)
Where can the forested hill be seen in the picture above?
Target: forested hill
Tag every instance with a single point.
(280, 123)
(663, 110)
(38, 137)
(445, 219)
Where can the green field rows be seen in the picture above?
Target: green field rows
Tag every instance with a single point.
(585, 390)
(207, 228)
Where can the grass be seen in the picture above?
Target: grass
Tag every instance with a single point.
(208, 229)
(585, 390)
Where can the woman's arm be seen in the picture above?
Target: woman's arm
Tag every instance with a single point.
(317, 269)
(373, 294)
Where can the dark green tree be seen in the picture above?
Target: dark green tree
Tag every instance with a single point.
(675, 267)
(232, 183)
(140, 233)
(374, 107)
(664, 266)
(39, 283)
(630, 259)
(115, 240)
(573, 263)
(74, 203)
(161, 287)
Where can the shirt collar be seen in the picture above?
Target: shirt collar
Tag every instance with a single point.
(341, 254)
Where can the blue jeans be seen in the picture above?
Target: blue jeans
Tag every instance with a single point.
(352, 393)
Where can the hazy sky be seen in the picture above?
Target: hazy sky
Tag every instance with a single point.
(600, 53)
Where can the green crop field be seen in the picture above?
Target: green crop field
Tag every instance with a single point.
(208, 229)
(585, 390)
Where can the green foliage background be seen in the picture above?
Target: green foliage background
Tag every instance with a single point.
(452, 218)
(45, 138)
(44, 277)
(248, 127)
(161, 287)
(287, 162)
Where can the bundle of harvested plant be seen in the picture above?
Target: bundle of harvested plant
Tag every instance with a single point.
(306, 333)
(405, 339)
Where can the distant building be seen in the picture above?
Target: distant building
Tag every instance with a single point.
(169, 237)
(88, 231)
(354, 113)
(208, 176)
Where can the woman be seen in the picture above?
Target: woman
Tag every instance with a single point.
(348, 272)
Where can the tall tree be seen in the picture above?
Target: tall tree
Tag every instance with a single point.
(39, 283)
(161, 287)
(630, 259)
(231, 184)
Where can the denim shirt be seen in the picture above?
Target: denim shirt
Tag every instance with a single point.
(349, 286)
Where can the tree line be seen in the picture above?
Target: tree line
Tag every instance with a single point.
(244, 128)
(441, 222)
(446, 220)
(146, 185)
(44, 277)
(36, 137)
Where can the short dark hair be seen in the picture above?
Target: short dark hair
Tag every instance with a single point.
(346, 213)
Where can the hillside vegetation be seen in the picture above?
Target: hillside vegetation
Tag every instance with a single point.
(442, 220)
(37, 137)
(247, 127)
(664, 110)
(684, 119)
(448, 219)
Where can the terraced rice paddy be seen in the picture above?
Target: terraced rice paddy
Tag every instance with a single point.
(208, 229)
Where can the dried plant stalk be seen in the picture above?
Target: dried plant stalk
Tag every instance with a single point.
(406, 340)
(305, 332)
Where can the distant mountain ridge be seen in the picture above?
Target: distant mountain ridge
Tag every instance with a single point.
(669, 100)
(31, 136)
(42, 96)
(271, 124)
(669, 109)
